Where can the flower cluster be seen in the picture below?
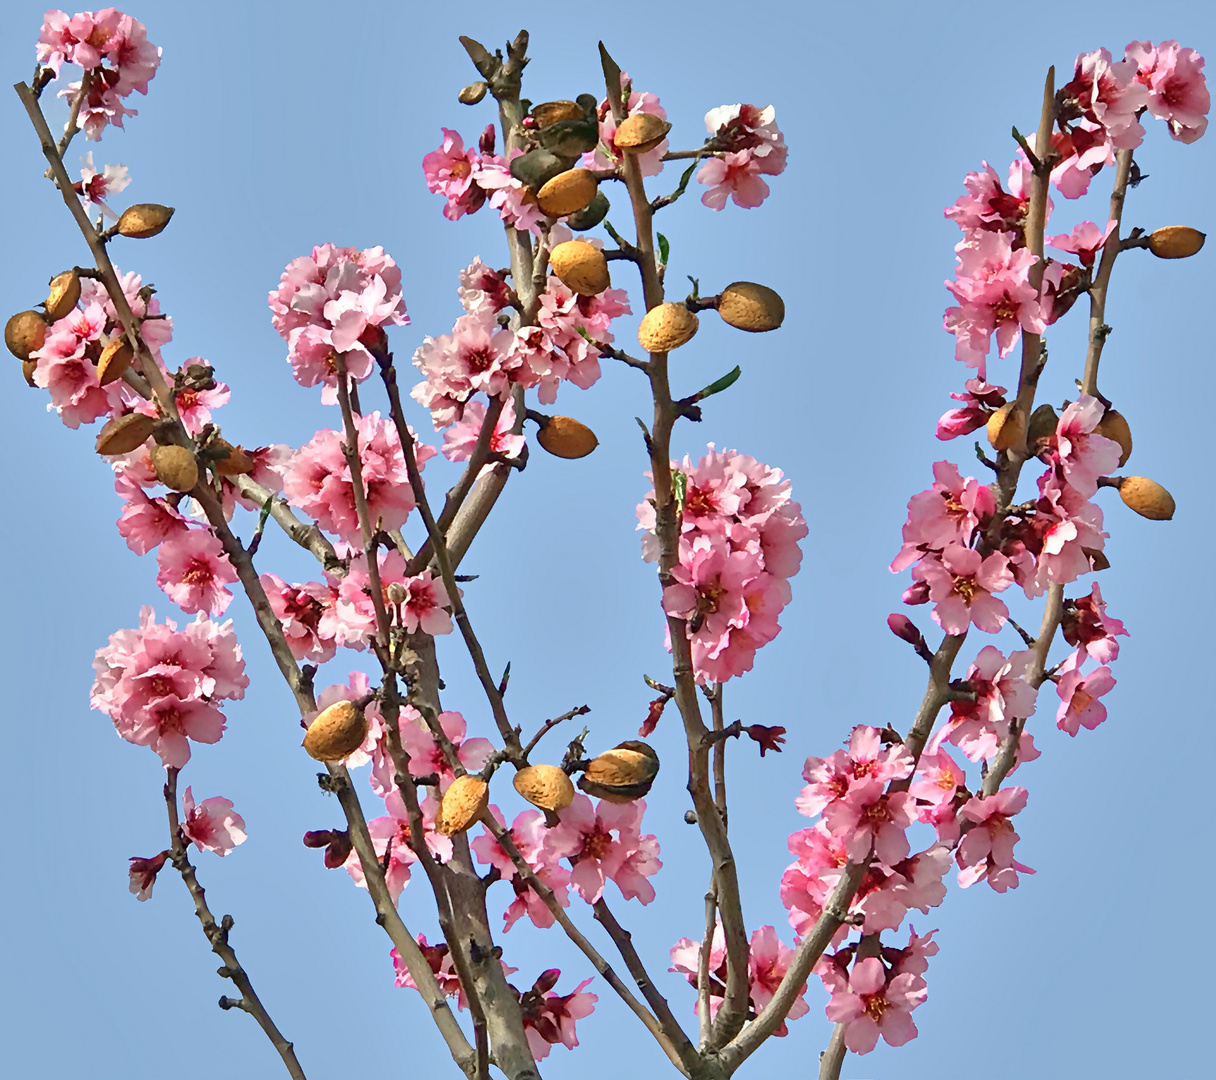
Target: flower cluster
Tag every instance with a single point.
(481, 355)
(115, 53)
(334, 302)
(317, 478)
(739, 534)
(469, 178)
(767, 962)
(751, 147)
(162, 686)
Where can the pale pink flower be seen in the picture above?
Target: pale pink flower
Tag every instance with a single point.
(516, 205)
(481, 287)
(449, 172)
(145, 522)
(95, 187)
(986, 851)
(460, 439)
(585, 837)
(920, 877)
(1107, 93)
(1068, 528)
(1086, 625)
(987, 205)
(871, 820)
(865, 760)
(961, 584)
(913, 958)
(528, 834)
(948, 513)
(391, 834)
(752, 147)
(938, 777)
(300, 610)
(1085, 456)
(768, 961)
(167, 725)
(1001, 694)
(872, 1005)
(194, 406)
(212, 825)
(193, 570)
(427, 756)
(1079, 694)
(1177, 88)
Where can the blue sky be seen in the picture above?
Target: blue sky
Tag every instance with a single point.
(273, 127)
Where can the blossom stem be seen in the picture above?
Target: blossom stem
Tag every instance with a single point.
(1097, 290)
(217, 936)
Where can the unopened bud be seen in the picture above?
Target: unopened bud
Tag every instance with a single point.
(64, 295)
(1147, 498)
(1175, 242)
(916, 593)
(1007, 426)
(143, 220)
(904, 629)
(473, 93)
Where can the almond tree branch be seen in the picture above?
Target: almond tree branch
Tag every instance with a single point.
(217, 936)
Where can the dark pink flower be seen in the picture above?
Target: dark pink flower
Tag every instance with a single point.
(449, 172)
(212, 825)
(871, 1005)
(143, 874)
(948, 513)
(1086, 625)
(586, 837)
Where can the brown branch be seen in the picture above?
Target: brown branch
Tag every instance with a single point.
(549, 725)
(703, 973)
(1097, 290)
(217, 936)
(306, 534)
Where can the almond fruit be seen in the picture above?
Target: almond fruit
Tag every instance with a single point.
(124, 434)
(175, 467)
(580, 266)
(25, 333)
(565, 437)
(545, 786)
(667, 327)
(1148, 498)
(748, 306)
(567, 193)
(462, 804)
(64, 294)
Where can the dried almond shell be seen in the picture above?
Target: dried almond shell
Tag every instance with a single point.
(565, 437)
(143, 220)
(567, 193)
(641, 132)
(25, 333)
(462, 804)
(124, 434)
(746, 305)
(580, 266)
(337, 732)
(1147, 498)
(115, 358)
(175, 467)
(545, 786)
(1007, 426)
(64, 295)
(666, 327)
(237, 462)
(1114, 426)
(1176, 242)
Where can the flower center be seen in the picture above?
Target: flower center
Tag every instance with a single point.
(479, 359)
(197, 573)
(966, 587)
(597, 844)
(875, 1005)
(1005, 310)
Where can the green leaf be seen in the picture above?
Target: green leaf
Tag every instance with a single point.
(664, 249)
(679, 488)
(718, 385)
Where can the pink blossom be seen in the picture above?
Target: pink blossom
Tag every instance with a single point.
(67, 366)
(988, 207)
(95, 187)
(318, 480)
(585, 837)
(1085, 456)
(352, 621)
(919, 884)
(391, 834)
(212, 825)
(1107, 94)
(871, 820)
(1086, 625)
(528, 834)
(478, 355)
(427, 756)
(805, 885)
(1001, 694)
(1177, 88)
(752, 146)
(449, 172)
(1065, 530)
(865, 760)
(980, 400)
(300, 610)
(938, 777)
(961, 584)
(144, 522)
(1085, 240)
(515, 203)
(480, 287)
(549, 1018)
(194, 406)
(167, 725)
(948, 513)
(1079, 694)
(193, 570)
(336, 301)
(995, 297)
(143, 875)
(439, 959)
(913, 958)
(986, 851)
(460, 439)
(872, 1005)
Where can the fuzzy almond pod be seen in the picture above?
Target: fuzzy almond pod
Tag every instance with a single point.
(143, 220)
(1176, 242)
(537, 167)
(641, 132)
(666, 327)
(622, 774)
(175, 467)
(580, 266)
(336, 732)
(462, 804)
(115, 358)
(237, 462)
(64, 295)
(1007, 426)
(565, 437)
(1148, 498)
(1097, 559)
(545, 786)
(25, 333)
(28, 367)
(567, 193)
(124, 434)
(591, 214)
(473, 93)
(748, 306)
(1114, 426)
(1041, 427)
